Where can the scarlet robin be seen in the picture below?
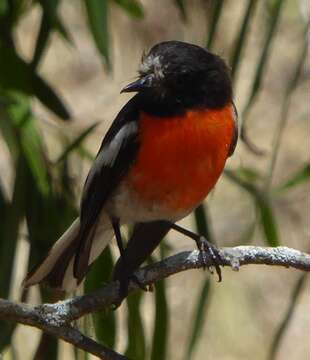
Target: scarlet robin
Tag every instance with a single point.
(158, 161)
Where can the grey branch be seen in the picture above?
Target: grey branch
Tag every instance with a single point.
(55, 319)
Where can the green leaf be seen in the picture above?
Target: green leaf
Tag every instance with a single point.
(48, 19)
(262, 201)
(17, 75)
(216, 14)
(199, 318)
(161, 323)
(97, 13)
(8, 132)
(262, 62)
(3, 7)
(6, 327)
(303, 175)
(267, 220)
(31, 142)
(105, 321)
(242, 37)
(132, 7)
(14, 214)
(136, 348)
(203, 222)
(292, 84)
(49, 97)
(181, 5)
(75, 144)
(248, 174)
(6, 333)
(62, 30)
(295, 296)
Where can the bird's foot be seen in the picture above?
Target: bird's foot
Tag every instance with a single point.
(206, 249)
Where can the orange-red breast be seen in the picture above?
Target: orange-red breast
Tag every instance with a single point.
(158, 161)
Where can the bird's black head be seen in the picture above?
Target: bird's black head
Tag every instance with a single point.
(176, 76)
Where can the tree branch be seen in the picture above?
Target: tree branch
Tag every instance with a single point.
(55, 318)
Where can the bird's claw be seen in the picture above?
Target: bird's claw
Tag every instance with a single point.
(206, 249)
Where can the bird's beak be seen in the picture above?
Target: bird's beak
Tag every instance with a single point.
(139, 85)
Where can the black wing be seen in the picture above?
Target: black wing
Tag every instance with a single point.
(103, 178)
(235, 135)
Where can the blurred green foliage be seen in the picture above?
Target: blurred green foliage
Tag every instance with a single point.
(40, 188)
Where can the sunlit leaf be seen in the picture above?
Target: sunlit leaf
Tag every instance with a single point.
(74, 145)
(97, 13)
(198, 318)
(132, 7)
(104, 322)
(136, 348)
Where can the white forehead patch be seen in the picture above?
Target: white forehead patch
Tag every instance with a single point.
(152, 64)
(110, 151)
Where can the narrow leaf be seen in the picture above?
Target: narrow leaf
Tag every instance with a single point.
(262, 201)
(62, 30)
(199, 318)
(248, 174)
(30, 141)
(132, 7)
(16, 74)
(216, 14)
(268, 221)
(161, 323)
(136, 348)
(203, 222)
(262, 62)
(75, 144)
(181, 6)
(10, 223)
(48, 97)
(242, 37)
(105, 321)
(303, 175)
(97, 13)
(280, 332)
(48, 17)
(3, 7)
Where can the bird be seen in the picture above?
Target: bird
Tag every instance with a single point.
(161, 157)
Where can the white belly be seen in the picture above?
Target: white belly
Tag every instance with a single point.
(125, 205)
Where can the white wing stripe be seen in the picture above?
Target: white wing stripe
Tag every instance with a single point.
(110, 151)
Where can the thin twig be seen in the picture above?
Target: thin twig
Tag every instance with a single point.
(55, 318)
